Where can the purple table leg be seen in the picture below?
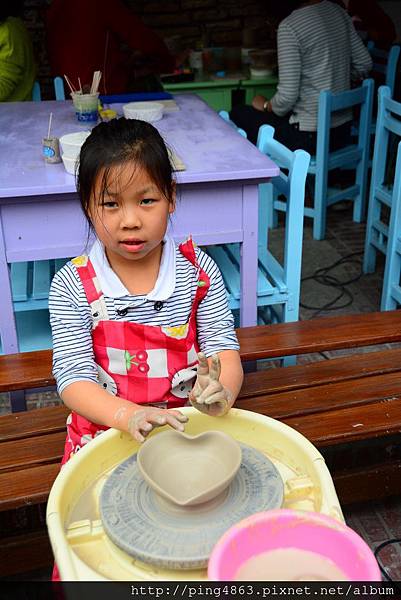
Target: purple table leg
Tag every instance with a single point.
(8, 329)
(249, 256)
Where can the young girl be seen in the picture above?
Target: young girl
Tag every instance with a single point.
(129, 319)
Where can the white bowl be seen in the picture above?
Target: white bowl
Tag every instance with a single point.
(144, 111)
(256, 72)
(69, 163)
(71, 143)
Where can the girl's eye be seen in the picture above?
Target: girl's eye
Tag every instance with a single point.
(109, 204)
(148, 201)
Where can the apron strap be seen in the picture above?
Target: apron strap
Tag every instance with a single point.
(187, 249)
(90, 283)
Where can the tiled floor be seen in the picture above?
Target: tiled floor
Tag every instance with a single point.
(376, 522)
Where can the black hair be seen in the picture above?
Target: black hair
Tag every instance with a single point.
(118, 143)
(10, 8)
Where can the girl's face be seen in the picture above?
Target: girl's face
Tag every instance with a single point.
(131, 217)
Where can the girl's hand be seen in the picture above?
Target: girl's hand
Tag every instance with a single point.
(146, 418)
(208, 395)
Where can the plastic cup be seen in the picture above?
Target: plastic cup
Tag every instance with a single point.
(86, 107)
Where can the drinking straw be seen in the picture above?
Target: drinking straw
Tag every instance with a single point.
(73, 90)
(80, 86)
(50, 124)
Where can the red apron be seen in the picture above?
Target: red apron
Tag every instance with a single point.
(145, 364)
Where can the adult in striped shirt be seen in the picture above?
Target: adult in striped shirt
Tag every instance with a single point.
(318, 49)
(129, 320)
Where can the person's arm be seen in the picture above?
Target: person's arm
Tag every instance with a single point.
(220, 375)
(94, 403)
(231, 375)
(361, 61)
(11, 73)
(76, 372)
(289, 71)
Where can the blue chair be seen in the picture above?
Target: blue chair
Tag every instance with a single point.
(354, 156)
(59, 88)
(36, 95)
(278, 282)
(391, 292)
(30, 284)
(385, 62)
(381, 192)
(224, 115)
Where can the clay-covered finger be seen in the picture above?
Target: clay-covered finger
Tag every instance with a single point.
(214, 387)
(178, 415)
(173, 422)
(156, 418)
(203, 366)
(145, 426)
(215, 368)
(137, 435)
(218, 397)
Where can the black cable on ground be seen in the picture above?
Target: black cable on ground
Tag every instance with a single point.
(322, 276)
(376, 553)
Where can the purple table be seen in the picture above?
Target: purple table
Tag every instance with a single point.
(40, 215)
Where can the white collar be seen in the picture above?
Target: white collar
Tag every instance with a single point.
(112, 286)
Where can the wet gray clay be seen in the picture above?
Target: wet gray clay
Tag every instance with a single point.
(189, 470)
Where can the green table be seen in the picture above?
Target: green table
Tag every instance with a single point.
(217, 92)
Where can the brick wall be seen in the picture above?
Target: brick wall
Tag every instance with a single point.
(184, 23)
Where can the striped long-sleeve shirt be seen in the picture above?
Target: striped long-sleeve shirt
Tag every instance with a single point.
(318, 49)
(71, 319)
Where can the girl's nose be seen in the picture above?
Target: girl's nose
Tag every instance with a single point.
(130, 219)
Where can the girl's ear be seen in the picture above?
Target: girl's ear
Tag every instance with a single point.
(172, 202)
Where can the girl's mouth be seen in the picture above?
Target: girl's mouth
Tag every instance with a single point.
(133, 245)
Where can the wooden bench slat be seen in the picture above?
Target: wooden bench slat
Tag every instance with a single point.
(326, 397)
(26, 370)
(347, 425)
(29, 370)
(356, 485)
(316, 335)
(320, 372)
(33, 423)
(29, 552)
(28, 452)
(30, 486)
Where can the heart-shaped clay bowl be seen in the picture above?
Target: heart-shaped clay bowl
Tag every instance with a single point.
(189, 470)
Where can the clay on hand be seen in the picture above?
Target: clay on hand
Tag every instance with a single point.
(144, 420)
(208, 395)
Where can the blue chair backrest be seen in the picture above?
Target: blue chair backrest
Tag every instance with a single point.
(36, 95)
(385, 62)
(224, 115)
(59, 88)
(387, 122)
(388, 129)
(330, 103)
(292, 185)
(387, 108)
(391, 292)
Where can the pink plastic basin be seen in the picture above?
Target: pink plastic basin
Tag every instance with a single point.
(284, 528)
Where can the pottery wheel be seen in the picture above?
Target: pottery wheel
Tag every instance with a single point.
(155, 531)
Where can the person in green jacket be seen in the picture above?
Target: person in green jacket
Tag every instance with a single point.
(17, 65)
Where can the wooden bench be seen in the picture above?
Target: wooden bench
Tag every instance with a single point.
(353, 398)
